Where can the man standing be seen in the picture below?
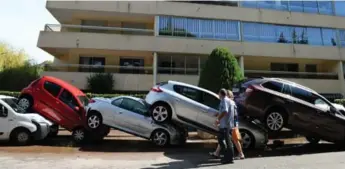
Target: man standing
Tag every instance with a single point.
(225, 123)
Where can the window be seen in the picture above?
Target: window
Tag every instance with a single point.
(206, 28)
(179, 27)
(134, 106)
(342, 37)
(266, 4)
(117, 102)
(250, 31)
(275, 86)
(267, 33)
(192, 28)
(302, 94)
(339, 7)
(210, 100)
(52, 88)
(249, 4)
(3, 111)
(284, 34)
(299, 35)
(131, 65)
(287, 89)
(310, 68)
(329, 37)
(68, 99)
(91, 64)
(310, 6)
(232, 30)
(165, 25)
(325, 7)
(314, 36)
(220, 29)
(290, 67)
(296, 6)
(187, 92)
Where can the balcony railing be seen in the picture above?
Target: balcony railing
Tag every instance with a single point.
(297, 75)
(97, 29)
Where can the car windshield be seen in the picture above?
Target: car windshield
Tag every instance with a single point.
(12, 102)
(84, 100)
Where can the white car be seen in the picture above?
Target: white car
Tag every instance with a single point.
(18, 126)
(130, 115)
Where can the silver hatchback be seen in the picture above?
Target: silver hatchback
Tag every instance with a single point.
(194, 106)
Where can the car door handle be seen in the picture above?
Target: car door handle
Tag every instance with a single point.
(176, 99)
(10, 119)
(120, 112)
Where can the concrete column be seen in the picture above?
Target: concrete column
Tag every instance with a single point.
(156, 26)
(242, 65)
(341, 77)
(154, 68)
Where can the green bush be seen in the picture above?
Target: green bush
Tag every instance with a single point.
(100, 82)
(89, 95)
(221, 70)
(340, 101)
(16, 78)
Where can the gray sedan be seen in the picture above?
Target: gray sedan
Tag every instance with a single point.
(130, 115)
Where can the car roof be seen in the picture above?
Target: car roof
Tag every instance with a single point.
(192, 86)
(129, 97)
(6, 97)
(292, 84)
(74, 90)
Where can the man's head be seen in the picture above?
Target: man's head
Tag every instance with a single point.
(222, 93)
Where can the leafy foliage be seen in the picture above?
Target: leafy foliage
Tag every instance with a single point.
(221, 70)
(100, 82)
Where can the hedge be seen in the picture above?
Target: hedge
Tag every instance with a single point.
(90, 95)
(340, 101)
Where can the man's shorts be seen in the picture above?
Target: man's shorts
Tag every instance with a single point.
(236, 135)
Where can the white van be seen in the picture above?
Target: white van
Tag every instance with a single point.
(18, 126)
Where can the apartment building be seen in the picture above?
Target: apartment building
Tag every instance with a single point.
(143, 43)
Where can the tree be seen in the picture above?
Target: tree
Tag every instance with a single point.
(221, 70)
(10, 58)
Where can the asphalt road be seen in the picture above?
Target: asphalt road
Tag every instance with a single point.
(124, 152)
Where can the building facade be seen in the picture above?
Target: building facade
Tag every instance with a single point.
(143, 43)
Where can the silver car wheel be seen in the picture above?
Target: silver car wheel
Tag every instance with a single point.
(275, 121)
(78, 135)
(160, 113)
(93, 121)
(160, 138)
(24, 103)
(22, 137)
(246, 140)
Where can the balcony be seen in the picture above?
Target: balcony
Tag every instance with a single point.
(295, 75)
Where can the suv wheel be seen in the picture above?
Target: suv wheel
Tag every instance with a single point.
(312, 140)
(25, 103)
(160, 113)
(275, 121)
(160, 138)
(94, 120)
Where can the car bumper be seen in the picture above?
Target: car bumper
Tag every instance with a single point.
(42, 131)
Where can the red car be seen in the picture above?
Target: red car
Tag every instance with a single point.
(60, 102)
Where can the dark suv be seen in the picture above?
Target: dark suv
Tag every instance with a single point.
(280, 103)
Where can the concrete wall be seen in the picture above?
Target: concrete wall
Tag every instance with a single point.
(144, 82)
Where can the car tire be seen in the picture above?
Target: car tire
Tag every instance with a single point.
(54, 130)
(94, 120)
(160, 138)
(275, 120)
(247, 139)
(79, 135)
(161, 113)
(21, 137)
(312, 140)
(26, 103)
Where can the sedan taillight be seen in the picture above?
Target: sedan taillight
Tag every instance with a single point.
(156, 89)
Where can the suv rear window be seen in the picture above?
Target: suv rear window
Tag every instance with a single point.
(275, 86)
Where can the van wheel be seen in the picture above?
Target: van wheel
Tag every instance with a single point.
(21, 137)
(275, 120)
(160, 138)
(312, 140)
(25, 102)
(94, 120)
(79, 135)
(161, 113)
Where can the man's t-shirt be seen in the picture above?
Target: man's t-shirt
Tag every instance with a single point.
(226, 106)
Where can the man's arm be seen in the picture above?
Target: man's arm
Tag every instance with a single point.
(224, 109)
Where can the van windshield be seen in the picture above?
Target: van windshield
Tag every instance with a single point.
(84, 100)
(12, 102)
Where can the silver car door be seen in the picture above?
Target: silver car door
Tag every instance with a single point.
(186, 103)
(209, 108)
